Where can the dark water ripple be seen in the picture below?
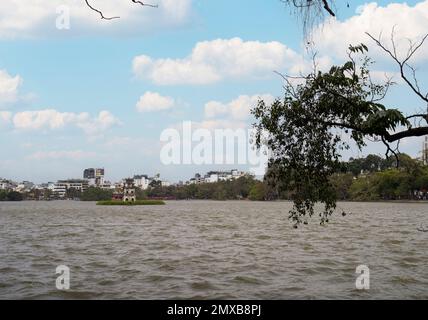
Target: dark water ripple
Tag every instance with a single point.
(210, 250)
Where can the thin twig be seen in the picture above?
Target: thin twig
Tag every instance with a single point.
(117, 17)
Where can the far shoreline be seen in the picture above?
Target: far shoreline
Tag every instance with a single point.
(236, 200)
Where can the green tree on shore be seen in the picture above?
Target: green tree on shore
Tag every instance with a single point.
(6, 195)
(96, 194)
(258, 192)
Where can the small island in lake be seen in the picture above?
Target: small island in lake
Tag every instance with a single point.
(128, 197)
(131, 203)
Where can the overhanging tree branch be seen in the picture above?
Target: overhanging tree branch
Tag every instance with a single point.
(412, 132)
(305, 131)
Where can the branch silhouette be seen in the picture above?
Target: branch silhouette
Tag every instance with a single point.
(312, 3)
(117, 17)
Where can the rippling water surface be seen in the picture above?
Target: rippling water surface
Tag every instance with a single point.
(210, 250)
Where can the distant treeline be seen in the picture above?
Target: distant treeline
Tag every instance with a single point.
(242, 188)
(6, 195)
(364, 179)
(374, 178)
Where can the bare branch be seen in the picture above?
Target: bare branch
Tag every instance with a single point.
(404, 63)
(419, 115)
(117, 17)
(100, 12)
(327, 8)
(390, 150)
(289, 88)
(311, 3)
(145, 4)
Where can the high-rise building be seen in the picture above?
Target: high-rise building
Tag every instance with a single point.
(89, 173)
(99, 173)
(425, 151)
(94, 175)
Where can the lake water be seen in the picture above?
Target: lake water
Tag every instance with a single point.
(210, 250)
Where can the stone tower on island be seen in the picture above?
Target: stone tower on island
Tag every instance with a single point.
(129, 191)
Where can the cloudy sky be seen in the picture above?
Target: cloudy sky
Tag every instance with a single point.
(99, 94)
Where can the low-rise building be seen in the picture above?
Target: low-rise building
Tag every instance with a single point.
(217, 176)
(107, 185)
(212, 177)
(24, 186)
(142, 181)
(60, 188)
(6, 184)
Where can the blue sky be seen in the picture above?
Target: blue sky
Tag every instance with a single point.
(91, 68)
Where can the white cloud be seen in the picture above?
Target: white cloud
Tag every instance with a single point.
(46, 119)
(232, 115)
(410, 22)
(212, 61)
(104, 121)
(55, 155)
(9, 86)
(52, 119)
(152, 101)
(37, 18)
(5, 117)
(237, 109)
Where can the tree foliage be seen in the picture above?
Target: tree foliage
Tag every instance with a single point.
(315, 121)
(95, 194)
(222, 190)
(7, 195)
(258, 192)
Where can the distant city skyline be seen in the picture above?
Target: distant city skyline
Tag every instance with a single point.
(94, 179)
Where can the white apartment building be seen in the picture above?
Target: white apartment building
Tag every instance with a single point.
(24, 186)
(5, 184)
(60, 188)
(216, 176)
(107, 185)
(212, 178)
(142, 181)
